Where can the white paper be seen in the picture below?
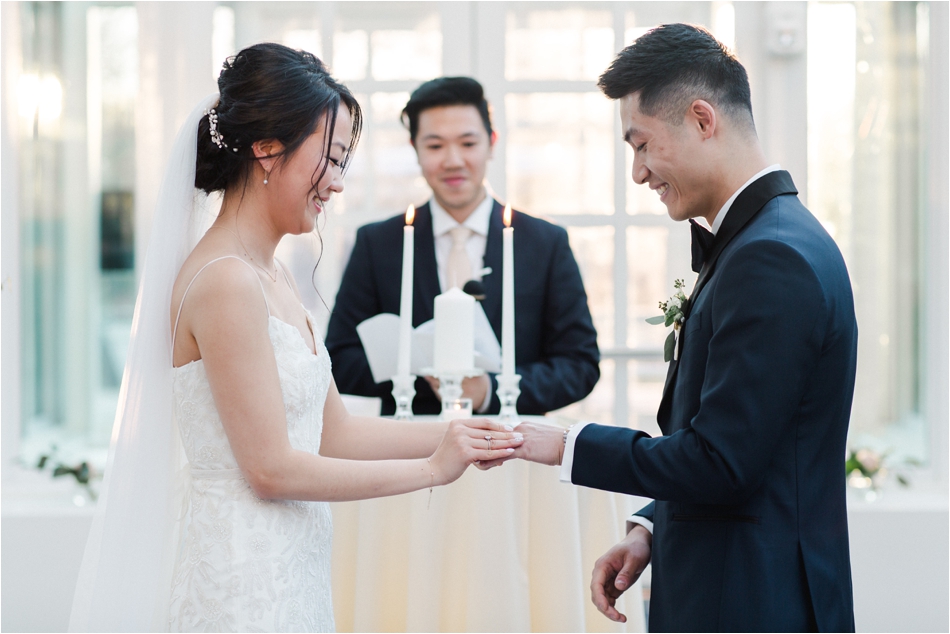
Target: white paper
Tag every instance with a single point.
(487, 348)
(380, 337)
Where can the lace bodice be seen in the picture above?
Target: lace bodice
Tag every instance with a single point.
(304, 382)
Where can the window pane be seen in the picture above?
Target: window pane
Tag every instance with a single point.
(646, 285)
(599, 406)
(384, 176)
(356, 193)
(305, 40)
(350, 54)
(560, 152)
(864, 131)
(398, 177)
(115, 91)
(408, 54)
(558, 44)
(387, 108)
(646, 15)
(593, 248)
(222, 38)
(77, 182)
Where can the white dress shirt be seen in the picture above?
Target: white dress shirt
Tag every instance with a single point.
(442, 225)
(567, 462)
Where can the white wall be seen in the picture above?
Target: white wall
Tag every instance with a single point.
(899, 562)
(42, 551)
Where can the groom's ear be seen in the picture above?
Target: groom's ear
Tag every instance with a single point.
(267, 152)
(703, 117)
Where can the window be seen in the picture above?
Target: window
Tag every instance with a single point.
(77, 230)
(865, 183)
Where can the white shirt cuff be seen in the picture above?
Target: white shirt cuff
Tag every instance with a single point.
(567, 461)
(633, 520)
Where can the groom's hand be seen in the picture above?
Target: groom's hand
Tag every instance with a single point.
(542, 443)
(619, 569)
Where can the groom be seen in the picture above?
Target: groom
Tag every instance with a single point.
(748, 531)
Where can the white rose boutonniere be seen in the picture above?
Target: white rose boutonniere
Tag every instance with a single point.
(674, 314)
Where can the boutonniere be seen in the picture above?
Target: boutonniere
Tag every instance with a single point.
(674, 314)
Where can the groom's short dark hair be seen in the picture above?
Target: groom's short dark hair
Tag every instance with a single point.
(673, 65)
(446, 91)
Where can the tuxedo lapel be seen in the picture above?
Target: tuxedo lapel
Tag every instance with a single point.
(744, 208)
(492, 281)
(426, 273)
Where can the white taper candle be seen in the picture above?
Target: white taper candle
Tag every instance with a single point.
(508, 296)
(405, 299)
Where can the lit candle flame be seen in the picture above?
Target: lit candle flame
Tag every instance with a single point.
(507, 215)
(410, 214)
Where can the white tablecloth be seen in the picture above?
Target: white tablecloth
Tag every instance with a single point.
(510, 549)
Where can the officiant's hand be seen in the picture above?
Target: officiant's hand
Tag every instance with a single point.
(473, 387)
(619, 569)
(465, 442)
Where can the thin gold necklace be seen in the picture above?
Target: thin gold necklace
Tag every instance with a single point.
(272, 278)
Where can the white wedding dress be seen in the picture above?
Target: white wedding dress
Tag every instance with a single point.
(246, 564)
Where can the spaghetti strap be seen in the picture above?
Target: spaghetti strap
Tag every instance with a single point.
(284, 271)
(188, 288)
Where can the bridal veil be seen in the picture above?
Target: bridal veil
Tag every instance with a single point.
(125, 579)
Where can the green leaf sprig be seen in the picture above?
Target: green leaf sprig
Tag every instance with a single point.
(674, 314)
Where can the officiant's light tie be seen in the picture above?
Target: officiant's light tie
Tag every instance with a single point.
(459, 267)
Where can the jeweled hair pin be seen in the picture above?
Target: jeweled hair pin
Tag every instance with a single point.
(216, 136)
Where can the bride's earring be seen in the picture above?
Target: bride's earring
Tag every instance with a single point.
(265, 179)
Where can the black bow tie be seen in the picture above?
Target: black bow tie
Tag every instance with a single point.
(702, 240)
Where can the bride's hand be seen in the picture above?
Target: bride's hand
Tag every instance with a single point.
(466, 442)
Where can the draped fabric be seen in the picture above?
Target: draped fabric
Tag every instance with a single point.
(507, 550)
(125, 577)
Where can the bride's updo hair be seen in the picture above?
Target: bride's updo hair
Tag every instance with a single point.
(268, 91)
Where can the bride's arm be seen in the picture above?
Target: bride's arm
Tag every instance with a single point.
(365, 438)
(229, 322)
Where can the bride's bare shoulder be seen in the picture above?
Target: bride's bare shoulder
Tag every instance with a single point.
(215, 280)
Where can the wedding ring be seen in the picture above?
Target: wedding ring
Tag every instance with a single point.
(489, 439)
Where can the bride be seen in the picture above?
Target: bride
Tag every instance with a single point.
(223, 348)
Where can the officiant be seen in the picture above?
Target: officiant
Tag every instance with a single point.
(458, 243)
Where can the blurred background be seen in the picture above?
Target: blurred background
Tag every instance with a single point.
(850, 97)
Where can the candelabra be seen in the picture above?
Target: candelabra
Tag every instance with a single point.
(404, 389)
(508, 392)
(450, 387)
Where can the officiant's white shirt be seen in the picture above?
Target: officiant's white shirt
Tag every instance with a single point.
(567, 463)
(477, 222)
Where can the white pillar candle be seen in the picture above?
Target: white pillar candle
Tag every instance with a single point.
(454, 345)
(508, 296)
(405, 299)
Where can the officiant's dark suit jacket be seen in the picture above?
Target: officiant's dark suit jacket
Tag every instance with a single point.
(750, 526)
(555, 342)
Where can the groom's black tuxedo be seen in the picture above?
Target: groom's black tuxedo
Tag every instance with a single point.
(750, 525)
(555, 342)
